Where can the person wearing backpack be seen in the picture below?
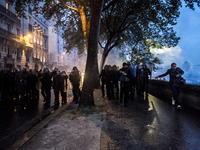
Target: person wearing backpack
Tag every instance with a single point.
(175, 74)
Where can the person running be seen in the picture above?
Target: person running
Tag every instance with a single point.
(175, 74)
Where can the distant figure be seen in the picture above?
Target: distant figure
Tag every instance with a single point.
(63, 85)
(115, 86)
(133, 72)
(108, 75)
(57, 85)
(46, 86)
(102, 76)
(175, 74)
(144, 80)
(75, 78)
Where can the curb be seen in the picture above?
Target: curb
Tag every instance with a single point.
(37, 127)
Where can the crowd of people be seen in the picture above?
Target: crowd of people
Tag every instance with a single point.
(120, 83)
(22, 87)
(124, 83)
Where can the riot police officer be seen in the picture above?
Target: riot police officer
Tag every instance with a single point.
(75, 78)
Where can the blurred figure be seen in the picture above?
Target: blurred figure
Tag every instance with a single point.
(22, 86)
(144, 80)
(75, 78)
(102, 76)
(114, 81)
(57, 85)
(108, 75)
(124, 83)
(63, 85)
(133, 72)
(46, 86)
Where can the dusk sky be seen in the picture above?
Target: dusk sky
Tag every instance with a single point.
(188, 28)
(188, 48)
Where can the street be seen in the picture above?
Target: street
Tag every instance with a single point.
(149, 124)
(16, 120)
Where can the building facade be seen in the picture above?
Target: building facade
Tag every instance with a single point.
(38, 27)
(11, 43)
(57, 51)
(23, 41)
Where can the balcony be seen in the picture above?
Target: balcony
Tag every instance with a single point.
(9, 14)
(10, 36)
(9, 60)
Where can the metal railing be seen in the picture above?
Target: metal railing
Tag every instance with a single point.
(9, 14)
(9, 35)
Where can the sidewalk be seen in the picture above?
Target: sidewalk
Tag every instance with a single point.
(66, 130)
(145, 125)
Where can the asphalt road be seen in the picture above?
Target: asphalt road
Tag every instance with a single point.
(17, 120)
(150, 124)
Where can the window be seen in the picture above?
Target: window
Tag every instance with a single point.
(7, 5)
(8, 27)
(45, 43)
(29, 19)
(34, 39)
(18, 32)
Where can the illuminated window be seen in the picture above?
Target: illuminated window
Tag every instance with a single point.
(34, 39)
(7, 5)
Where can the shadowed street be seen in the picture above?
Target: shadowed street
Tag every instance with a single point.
(17, 119)
(144, 125)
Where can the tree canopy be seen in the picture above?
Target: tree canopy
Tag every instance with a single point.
(128, 21)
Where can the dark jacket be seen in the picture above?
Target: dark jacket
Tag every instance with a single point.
(63, 84)
(46, 81)
(172, 74)
(75, 78)
(125, 72)
(144, 73)
(103, 76)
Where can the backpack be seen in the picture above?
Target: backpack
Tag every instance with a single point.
(124, 78)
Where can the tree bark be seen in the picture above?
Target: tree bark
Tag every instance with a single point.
(91, 75)
(103, 59)
(85, 24)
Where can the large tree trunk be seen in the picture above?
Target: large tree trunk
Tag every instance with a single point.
(85, 25)
(87, 98)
